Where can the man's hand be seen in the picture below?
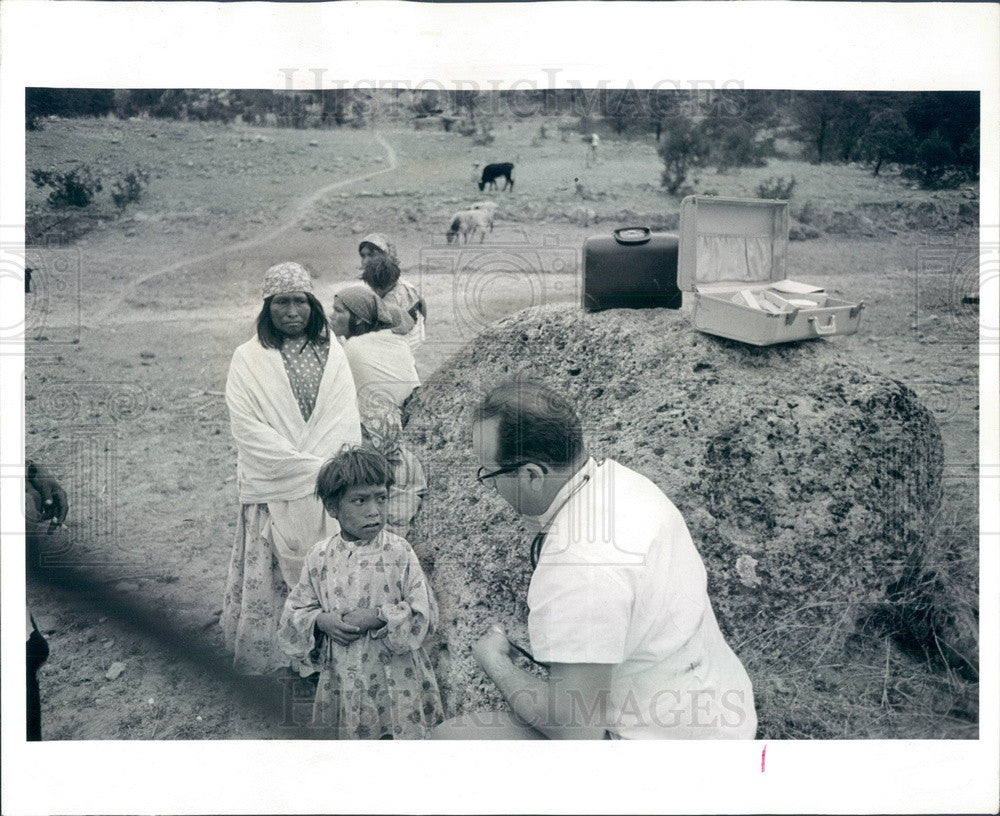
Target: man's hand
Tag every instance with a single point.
(364, 619)
(492, 646)
(333, 626)
(573, 703)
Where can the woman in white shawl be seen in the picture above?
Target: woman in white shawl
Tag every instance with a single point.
(292, 405)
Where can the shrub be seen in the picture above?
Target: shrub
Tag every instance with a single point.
(129, 187)
(683, 147)
(808, 214)
(776, 188)
(734, 143)
(935, 163)
(76, 188)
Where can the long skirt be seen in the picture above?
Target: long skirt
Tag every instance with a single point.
(268, 552)
(254, 596)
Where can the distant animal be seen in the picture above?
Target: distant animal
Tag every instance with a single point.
(491, 172)
(488, 207)
(27, 279)
(467, 223)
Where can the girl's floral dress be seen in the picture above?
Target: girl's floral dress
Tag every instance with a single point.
(381, 685)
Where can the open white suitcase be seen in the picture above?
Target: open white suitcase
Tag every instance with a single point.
(732, 258)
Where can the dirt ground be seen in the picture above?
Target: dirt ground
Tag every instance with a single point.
(132, 325)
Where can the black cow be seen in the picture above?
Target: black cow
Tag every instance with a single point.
(491, 172)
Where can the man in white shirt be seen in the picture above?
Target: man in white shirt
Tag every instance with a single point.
(618, 606)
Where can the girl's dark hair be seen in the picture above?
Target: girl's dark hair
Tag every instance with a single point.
(380, 272)
(536, 423)
(355, 465)
(316, 328)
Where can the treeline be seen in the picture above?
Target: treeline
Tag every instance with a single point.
(933, 136)
(256, 107)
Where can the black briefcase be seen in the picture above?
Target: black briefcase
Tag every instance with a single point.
(633, 268)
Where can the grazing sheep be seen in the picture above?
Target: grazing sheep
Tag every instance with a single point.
(488, 207)
(491, 172)
(468, 223)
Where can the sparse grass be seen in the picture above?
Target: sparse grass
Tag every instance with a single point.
(847, 681)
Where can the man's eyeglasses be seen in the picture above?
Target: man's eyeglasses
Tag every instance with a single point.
(482, 475)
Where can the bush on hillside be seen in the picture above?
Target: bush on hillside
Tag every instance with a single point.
(129, 187)
(76, 188)
(776, 188)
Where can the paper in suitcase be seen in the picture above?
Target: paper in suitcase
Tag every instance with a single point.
(732, 258)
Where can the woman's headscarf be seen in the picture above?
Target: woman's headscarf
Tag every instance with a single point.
(286, 277)
(368, 308)
(380, 242)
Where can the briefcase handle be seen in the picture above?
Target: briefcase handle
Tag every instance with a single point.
(632, 236)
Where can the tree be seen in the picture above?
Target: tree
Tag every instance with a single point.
(968, 154)
(952, 114)
(814, 114)
(887, 138)
(853, 114)
(624, 108)
(683, 147)
(732, 142)
(934, 158)
(39, 102)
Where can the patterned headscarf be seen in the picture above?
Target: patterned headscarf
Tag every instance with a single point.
(367, 307)
(379, 241)
(286, 277)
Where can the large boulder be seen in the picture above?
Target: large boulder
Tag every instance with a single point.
(808, 480)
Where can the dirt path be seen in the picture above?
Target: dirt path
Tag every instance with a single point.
(131, 412)
(301, 209)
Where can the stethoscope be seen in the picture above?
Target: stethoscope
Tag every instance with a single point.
(539, 540)
(536, 551)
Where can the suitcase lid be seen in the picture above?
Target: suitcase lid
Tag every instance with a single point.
(726, 242)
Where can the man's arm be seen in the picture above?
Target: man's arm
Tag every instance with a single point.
(573, 703)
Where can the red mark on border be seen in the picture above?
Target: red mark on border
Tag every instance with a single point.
(763, 754)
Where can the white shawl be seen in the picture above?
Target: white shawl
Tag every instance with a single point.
(383, 369)
(279, 454)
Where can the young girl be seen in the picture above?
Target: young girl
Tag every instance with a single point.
(361, 611)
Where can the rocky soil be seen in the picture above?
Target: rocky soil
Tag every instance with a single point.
(810, 482)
